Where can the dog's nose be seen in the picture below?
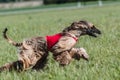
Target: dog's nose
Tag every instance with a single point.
(99, 32)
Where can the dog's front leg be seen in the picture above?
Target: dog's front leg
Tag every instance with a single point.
(78, 53)
(66, 57)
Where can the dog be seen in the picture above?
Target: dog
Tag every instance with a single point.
(33, 52)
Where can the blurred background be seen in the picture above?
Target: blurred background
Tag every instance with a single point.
(37, 5)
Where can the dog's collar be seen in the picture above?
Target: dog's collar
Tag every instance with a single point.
(72, 35)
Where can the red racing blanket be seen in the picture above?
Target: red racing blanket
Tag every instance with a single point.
(52, 40)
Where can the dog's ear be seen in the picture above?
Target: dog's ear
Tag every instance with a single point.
(74, 25)
(66, 29)
(71, 27)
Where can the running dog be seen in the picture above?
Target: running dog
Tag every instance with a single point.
(33, 52)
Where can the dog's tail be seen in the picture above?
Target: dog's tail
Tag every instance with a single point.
(9, 40)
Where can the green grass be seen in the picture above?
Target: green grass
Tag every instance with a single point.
(104, 51)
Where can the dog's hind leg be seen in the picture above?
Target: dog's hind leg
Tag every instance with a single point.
(17, 65)
(20, 65)
(41, 63)
(26, 61)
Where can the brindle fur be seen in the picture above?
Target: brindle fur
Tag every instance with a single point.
(33, 52)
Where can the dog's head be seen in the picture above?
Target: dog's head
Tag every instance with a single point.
(83, 28)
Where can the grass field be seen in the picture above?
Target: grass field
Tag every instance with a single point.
(104, 51)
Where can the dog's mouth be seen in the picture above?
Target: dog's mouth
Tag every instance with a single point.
(93, 32)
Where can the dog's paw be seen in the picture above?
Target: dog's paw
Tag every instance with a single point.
(83, 54)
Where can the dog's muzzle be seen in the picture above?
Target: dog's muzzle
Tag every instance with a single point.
(93, 32)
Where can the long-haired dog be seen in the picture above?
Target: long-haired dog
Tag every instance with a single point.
(33, 52)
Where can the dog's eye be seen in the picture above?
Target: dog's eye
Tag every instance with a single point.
(92, 27)
(85, 28)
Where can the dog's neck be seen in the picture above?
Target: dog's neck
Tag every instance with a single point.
(76, 33)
